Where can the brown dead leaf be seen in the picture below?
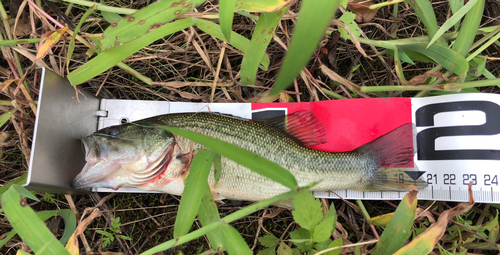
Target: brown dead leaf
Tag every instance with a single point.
(48, 40)
(72, 245)
(419, 79)
(362, 10)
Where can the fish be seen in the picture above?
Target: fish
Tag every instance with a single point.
(142, 155)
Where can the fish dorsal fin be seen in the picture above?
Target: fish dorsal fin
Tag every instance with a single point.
(302, 125)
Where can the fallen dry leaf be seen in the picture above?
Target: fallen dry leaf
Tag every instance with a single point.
(362, 10)
(48, 40)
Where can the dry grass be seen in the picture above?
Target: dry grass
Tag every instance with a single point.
(173, 62)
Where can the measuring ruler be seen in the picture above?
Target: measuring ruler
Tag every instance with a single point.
(456, 140)
(456, 137)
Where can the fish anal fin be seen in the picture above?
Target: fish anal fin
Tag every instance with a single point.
(303, 125)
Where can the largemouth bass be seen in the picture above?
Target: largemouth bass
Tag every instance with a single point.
(141, 155)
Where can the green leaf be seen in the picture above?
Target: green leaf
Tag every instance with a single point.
(111, 57)
(348, 19)
(69, 221)
(469, 28)
(448, 58)
(324, 229)
(398, 229)
(207, 214)
(226, 14)
(336, 243)
(284, 249)
(310, 28)
(259, 5)
(110, 17)
(269, 241)
(217, 168)
(456, 18)
(241, 156)
(124, 237)
(425, 13)
(267, 251)
(28, 225)
(237, 41)
(307, 211)
(235, 244)
(104, 233)
(145, 21)
(19, 180)
(195, 185)
(302, 239)
(71, 45)
(6, 116)
(261, 37)
(7, 238)
(24, 192)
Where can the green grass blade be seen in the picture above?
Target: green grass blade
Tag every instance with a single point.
(425, 13)
(196, 184)
(398, 229)
(102, 7)
(448, 58)
(216, 225)
(262, 36)
(456, 18)
(207, 214)
(7, 238)
(226, 15)
(71, 45)
(111, 57)
(237, 41)
(241, 156)
(19, 41)
(6, 116)
(455, 5)
(29, 226)
(260, 5)
(310, 28)
(19, 181)
(234, 242)
(145, 21)
(469, 29)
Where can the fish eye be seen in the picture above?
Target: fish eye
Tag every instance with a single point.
(113, 132)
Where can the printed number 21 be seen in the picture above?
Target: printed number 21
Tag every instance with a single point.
(426, 138)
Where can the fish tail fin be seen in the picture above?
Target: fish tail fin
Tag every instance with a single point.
(394, 154)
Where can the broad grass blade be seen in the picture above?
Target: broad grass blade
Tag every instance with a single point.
(111, 57)
(196, 185)
(69, 221)
(6, 116)
(426, 242)
(207, 214)
(310, 28)
(425, 13)
(398, 230)
(455, 5)
(28, 226)
(469, 29)
(448, 58)
(145, 21)
(261, 37)
(260, 5)
(19, 181)
(241, 156)
(226, 15)
(234, 242)
(456, 18)
(237, 41)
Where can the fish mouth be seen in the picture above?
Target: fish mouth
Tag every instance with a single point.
(106, 173)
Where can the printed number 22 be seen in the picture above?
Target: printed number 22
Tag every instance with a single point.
(426, 138)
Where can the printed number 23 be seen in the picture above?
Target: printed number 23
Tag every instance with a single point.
(426, 138)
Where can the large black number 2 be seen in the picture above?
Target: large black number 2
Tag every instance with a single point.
(426, 138)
